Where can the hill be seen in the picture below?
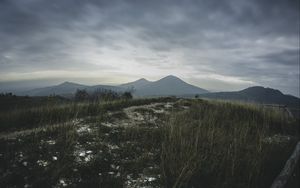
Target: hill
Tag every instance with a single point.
(61, 89)
(67, 89)
(257, 94)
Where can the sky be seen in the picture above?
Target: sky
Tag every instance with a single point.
(214, 44)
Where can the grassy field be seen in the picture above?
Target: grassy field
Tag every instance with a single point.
(163, 142)
(50, 113)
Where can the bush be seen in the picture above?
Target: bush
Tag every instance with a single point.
(81, 95)
(127, 95)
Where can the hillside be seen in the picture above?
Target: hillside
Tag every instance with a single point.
(144, 143)
(61, 89)
(257, 94)
(136, 84)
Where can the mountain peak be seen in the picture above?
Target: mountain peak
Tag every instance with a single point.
(66, 83)
(70, 85)
(138, 83)
(169, 85)
(260, 89)
(171, 76)
(142, 80)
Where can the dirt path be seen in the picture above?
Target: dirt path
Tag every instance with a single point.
(139, 115)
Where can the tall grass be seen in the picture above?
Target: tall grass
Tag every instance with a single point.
(221, 144)
(211, 144)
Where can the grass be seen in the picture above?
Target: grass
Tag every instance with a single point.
(22, 156)
(199, 144)
(18, 119)
(217, 144)
(11, 102)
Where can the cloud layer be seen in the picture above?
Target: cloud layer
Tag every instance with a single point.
(217, 45)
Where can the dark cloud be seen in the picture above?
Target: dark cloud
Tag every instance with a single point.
(254, 41)
(286, 58)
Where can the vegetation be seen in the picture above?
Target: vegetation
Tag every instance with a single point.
(101, 95)
(8, 101)
(18, 119)
(216, 144)
(81, 95)
(162, 142)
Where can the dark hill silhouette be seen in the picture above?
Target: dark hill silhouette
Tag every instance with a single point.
(257, 94)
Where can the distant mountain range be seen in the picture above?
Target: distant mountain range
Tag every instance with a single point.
(61, 89)
(67, 89)
(166, 86)
(172, 86)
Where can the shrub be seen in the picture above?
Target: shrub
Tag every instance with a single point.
(81, 95)
(127, 95)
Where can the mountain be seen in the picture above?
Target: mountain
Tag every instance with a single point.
(61, 89)
(170, 85)
(67, 89)
(136, 84)
(257, 94)
(166, 86)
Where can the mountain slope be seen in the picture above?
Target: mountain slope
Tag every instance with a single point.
(169, 85)
(67, 88)
(136, 84)
(257, 94)
(64, 88)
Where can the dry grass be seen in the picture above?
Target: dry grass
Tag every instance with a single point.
(217, 144)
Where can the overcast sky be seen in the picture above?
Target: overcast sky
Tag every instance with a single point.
(217, 45)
